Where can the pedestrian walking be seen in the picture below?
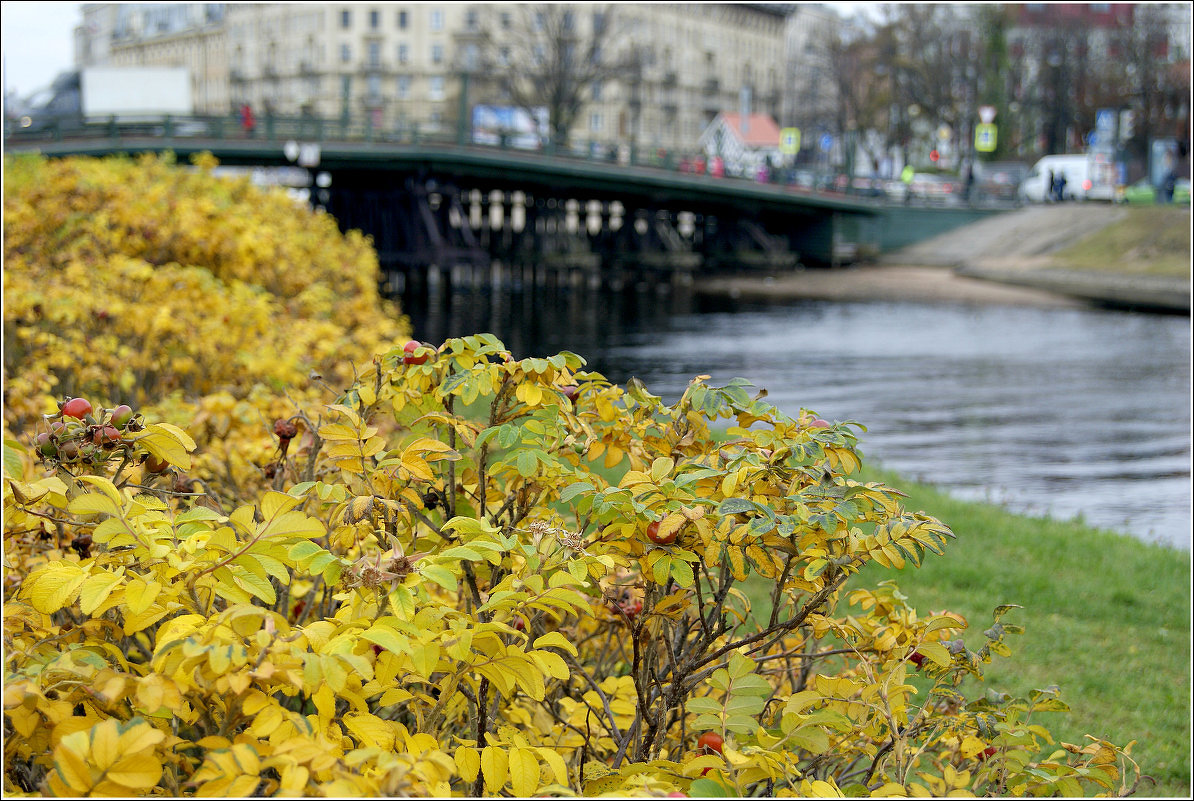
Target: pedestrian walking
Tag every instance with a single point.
(247, 122)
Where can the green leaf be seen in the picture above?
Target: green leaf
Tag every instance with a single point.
(702, 705)
(682, 573)
(572, 490)
(386, 637)
(734, 506)
(13, 467)
(440, 575)
(527, 463)
(707, 788)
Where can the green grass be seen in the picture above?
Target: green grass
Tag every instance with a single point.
(1149, 240)
(1106, 618)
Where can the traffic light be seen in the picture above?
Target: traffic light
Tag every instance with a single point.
(934, 156)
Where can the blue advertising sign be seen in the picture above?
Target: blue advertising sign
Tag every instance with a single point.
(826, 142)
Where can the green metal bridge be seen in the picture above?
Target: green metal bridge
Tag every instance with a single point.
(436, 203)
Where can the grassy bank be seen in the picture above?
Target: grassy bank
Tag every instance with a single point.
(1106, 617)
(1149, 240)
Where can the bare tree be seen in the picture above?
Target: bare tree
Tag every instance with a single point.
(553, 56)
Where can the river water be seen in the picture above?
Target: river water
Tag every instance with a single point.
(1059, 412)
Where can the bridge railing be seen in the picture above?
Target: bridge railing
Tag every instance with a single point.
(275, 130)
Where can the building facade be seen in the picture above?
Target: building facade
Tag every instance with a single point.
(421, 65)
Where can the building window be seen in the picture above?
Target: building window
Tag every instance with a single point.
(345, 53)
(505, 20)
(403, 53)
(374, 86)
(403, 19)
(375, 54)
(504, 57)
(374, 20)
(470, 20)
(437, 54)
(472, 57)
(437, 20)
(345, 19)
(404, 87)
(435, 89)
(596, 91)
(595, 122)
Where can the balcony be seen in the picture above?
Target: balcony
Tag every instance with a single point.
(372, 67)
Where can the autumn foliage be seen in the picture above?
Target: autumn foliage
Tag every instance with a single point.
(446, 586)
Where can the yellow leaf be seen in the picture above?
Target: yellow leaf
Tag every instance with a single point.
(494, 767)
(524, 772)
(177, 433)
(103, 485)
(94, 503)
(52, 587)
(468, 762)
(367, 395)
(372, 731)
(105, 748)
(971, 746)
(551, 664)
(554, 639)
(673, 522)
(70, 760)
(556, 762)
(163, 444)
(937, 652)
(414, 465)
(96, 589)
(138, 771)
(275, 503)
(325, 702)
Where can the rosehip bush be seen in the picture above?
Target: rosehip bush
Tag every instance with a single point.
(446, 591)
(128, 280)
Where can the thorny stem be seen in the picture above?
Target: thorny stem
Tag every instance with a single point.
(482, 723)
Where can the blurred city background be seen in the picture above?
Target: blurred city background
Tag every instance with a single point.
(803, 94)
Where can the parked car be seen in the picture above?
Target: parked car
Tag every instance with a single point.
(933, 189)
(1143, 192)
(1000, 180)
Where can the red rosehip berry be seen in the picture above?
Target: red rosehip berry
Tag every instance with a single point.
(106, 437)
(121, 415)
(660, 539)
(285, 429)
(917, 659)
(77, 408)
(409, 349)
(154, 464)
(710, 742)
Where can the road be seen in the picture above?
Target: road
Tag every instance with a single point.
(1003, 259)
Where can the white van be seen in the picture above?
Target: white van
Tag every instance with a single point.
(1076, 169)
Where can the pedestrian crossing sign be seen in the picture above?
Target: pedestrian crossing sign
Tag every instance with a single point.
(789, 141)
(984, 137)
